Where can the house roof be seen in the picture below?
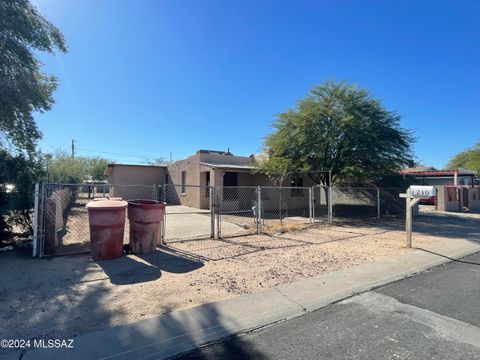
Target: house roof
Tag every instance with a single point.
(219, 152)
(434, 172)
(228, 166)
(417, 169)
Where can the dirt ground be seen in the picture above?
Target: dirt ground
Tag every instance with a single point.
(71, 295)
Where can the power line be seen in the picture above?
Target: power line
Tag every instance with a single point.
(113, 153)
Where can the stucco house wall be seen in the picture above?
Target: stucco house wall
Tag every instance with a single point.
(457, 200)
(191, 195)
(122, 176)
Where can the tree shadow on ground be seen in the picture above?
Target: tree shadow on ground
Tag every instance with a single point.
(235, 348)
(448, 225)
(450, 258)
(452, 226)
(65, 297)
(58, 297)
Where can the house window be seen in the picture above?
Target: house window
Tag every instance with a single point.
(295, 183)
(184, 182)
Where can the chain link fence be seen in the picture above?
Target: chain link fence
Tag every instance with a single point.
(285, 208)
(63, 226)
(320, 205)
(355, 202)
(199, 218)
(237, 208)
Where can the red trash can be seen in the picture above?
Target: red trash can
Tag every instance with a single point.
(107, 225)
(146, 218)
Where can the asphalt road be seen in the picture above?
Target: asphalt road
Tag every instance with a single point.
(433, 315)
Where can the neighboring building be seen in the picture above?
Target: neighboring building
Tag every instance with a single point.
(458, 198)
(120, 176)
(187, 180)
(457, 189)
(431, 176)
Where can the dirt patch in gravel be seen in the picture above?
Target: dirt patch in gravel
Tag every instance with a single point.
(68, 296)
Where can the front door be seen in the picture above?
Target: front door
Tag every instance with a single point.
(207, 184)
(230, 179)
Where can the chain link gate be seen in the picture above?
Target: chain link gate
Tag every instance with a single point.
(237, 210)
(189, 212)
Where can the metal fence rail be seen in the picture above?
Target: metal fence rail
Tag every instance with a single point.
(203, 214)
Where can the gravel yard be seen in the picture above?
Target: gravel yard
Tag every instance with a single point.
(70, 295)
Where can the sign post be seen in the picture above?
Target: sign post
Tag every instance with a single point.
(412, 197)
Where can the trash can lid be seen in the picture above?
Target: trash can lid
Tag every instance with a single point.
(145, 203)
(106, 204)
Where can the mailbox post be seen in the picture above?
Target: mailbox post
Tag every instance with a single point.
(412, 197)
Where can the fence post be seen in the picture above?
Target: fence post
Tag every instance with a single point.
(259, 209)
(164, 193)
(218, 212)
(212, 211)
(154, 192)
(378, 203)
(103, 190)
(310, 204)
(36, 209)
(330, 204)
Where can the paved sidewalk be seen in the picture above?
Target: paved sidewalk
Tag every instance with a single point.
(183, 330)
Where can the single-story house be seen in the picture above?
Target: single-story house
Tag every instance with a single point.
(427, 175)
(186, 181)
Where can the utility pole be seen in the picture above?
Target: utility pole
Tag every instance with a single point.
(73, 149)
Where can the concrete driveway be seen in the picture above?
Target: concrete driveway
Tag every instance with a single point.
(186, 223)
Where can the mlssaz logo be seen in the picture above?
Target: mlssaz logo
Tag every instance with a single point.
(53, 343)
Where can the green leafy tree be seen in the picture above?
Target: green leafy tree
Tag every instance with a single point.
(24, 88)
(277, 170)
(340, 128)
(62, 168)
(18, 175)
(158, 161)
(468, 159)
(95, 168)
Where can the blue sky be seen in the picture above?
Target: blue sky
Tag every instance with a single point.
(149, 77)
